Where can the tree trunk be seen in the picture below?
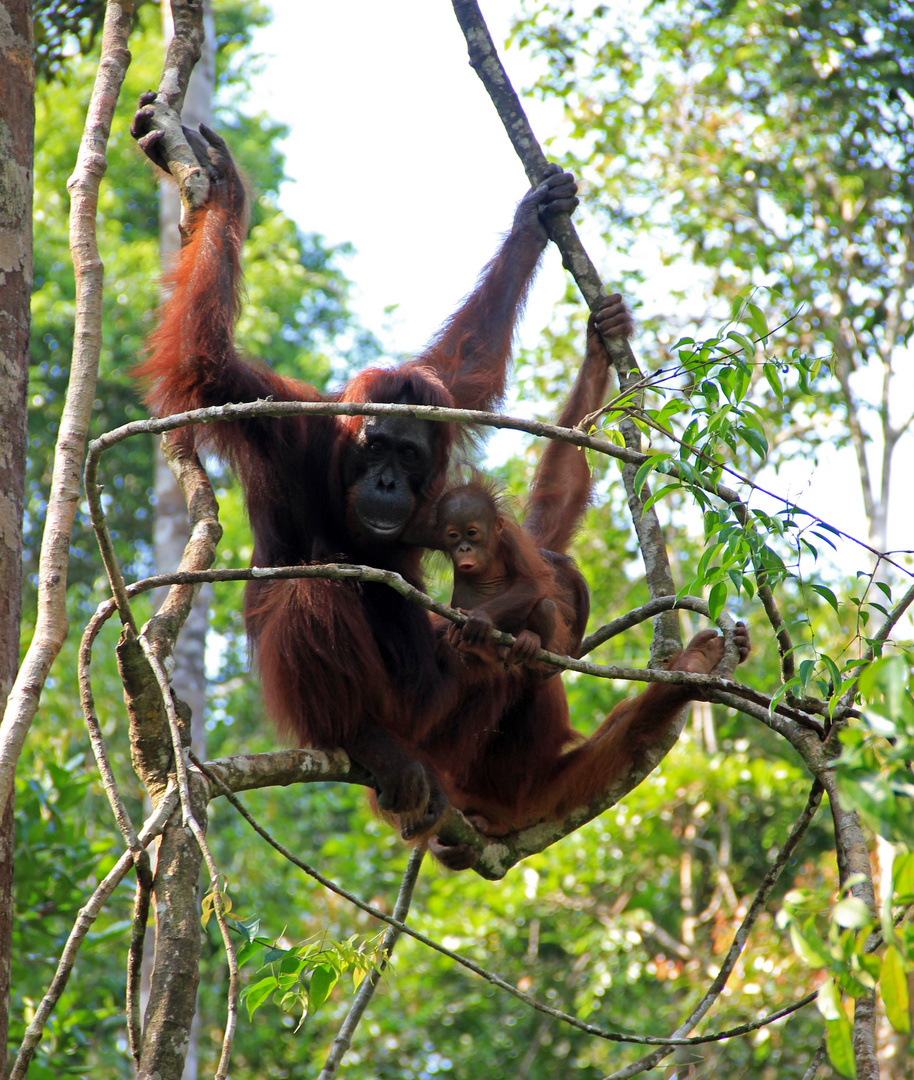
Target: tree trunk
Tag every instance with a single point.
(17, 130)
(170, 530)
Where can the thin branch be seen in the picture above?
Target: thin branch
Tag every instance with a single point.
(769, 604)
(190, 821)
(798, 713)
(369, 984)
(355, 572)
(882, 634)
(741, 936)
(52, 626)
(141, 901)
(573, 436)
(96, 738)
(816, 1060)
(470, 965)
(486, 63)
(640, 614)
(105, 544)
(153, 826)
(879, 639)
(205, 532)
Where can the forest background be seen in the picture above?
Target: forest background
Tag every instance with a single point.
(761, 154)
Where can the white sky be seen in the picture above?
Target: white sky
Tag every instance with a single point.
(396, 148)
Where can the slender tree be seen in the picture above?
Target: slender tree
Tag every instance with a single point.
(17, 127)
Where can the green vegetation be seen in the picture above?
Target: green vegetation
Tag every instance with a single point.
(768, 144)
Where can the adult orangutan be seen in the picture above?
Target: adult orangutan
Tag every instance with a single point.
(341, 664)
(355, 665)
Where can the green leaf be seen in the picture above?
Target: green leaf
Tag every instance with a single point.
(774, 380)
(828, 596)
(642, 474)
(746, 344)
(247, 928)
(791, 684)
(805, 949)
(716, 599)
(323, 980)
(840, 1047)
(833, 674)
(755, 440)
(248, 950)
(903, 878)
(852, 912)
(659, 494)
(256, 994)
(291, 964)
(893, 985)
(850, 986)
(828, 540)
(756, 319)
(805, 670)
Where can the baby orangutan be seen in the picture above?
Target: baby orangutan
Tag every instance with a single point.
(501, 580)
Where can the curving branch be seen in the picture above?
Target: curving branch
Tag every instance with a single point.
(497, 855)
(573, 436)
(369, 984)
(740, 937)
(476, 969)
(87, 916)
(485, 62)
(52, 625)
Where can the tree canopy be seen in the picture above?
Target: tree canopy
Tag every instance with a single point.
(760, 153)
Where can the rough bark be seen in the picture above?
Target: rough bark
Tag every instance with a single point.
(171, 531)
(52, 625)
(173, 988)
(854, 861)
(17, 126)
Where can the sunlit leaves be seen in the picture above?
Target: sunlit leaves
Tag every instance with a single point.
(873, 773)
(846, 952)
(893, 983)
(301, 978)
(838, 1030)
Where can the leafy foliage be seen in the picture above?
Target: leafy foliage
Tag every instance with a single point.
(739, 135)
(57, 862)
(297, 316)
(63, 31)
(300, 978)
